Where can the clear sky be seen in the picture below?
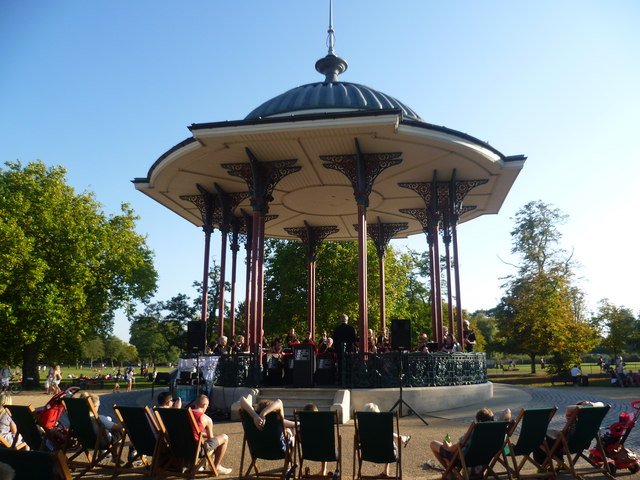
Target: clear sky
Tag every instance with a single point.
(105, 87)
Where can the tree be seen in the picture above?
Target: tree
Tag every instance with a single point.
(538, 314)
(286, 297)
(149, 333)
(66, 266)
(93, 350)
(620, 327)
(117, 351)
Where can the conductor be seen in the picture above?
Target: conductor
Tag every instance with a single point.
(344, 334)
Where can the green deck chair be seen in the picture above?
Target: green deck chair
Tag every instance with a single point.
(24, 418)
(92, 437)
(533, 423)
(374, 441)
(479, 448)
(33, 464)
(143, 432)
(318, 439)
(576, 437)
(177, 426)
(271, 443)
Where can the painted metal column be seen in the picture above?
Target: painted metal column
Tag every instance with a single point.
(362, 278)
(260, 281)
(235, 231)
(261, 178)
(205, 275)
(380, 234)
(311, 237)
(223, 266)
(456, 266)
(446, 238)
(255, 256)
(248, 247)
(362, 169)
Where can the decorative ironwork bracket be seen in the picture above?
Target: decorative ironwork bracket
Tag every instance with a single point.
(361, 169)
(261, 178)
(381, 233)
(312, 237)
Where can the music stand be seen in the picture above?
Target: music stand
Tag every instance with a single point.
(401, 400)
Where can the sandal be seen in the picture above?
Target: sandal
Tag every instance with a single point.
(405, 442)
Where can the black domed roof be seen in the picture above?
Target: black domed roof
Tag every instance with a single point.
(330, 95)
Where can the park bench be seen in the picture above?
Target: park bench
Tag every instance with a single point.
(561, 378)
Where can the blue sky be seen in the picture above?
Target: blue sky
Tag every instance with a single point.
(105, 87)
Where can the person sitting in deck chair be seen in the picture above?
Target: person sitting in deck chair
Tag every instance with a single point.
(216, 443)
(444, 451)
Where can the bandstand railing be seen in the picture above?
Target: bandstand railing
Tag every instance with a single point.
(361, 370)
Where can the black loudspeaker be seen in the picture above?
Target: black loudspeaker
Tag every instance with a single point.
(401, 334)
(196, 336)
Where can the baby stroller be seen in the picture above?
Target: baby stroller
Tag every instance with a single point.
(618, 456)
(48, 418)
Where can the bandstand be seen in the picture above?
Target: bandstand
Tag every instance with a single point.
(335, 161)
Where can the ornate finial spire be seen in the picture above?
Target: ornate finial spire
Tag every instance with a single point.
(331, 66)
(331, 38)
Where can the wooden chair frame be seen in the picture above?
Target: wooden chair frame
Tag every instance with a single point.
(459, 470)
(145, 429)
(330, 431)
(95, 444)
(532, 422)
(360, 440)
(274, 425)
(574, 445)
(177, 427)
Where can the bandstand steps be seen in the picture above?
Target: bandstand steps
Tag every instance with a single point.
(296, 398)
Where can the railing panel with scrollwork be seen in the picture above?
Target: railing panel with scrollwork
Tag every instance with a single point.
(368, 370)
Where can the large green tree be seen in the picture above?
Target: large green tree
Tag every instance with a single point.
(540, 313)
(619, 325)
(66, 266)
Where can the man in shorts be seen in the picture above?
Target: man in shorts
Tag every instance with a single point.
(215, 443)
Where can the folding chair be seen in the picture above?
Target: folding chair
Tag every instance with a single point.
(481, 445)
(374, 441)
(533, 423)
(270, 443)
(576, 436)
(91, 434)
(318, 439)
(24, 418)
(178, 427)
(143, 432)
(32, 464)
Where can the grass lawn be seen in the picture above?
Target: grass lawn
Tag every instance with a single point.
(541, 378)
(139, 381)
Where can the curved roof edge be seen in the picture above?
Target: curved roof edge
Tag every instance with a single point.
(325, 116)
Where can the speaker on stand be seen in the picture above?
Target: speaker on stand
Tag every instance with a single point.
(196, 336)
(401, 342)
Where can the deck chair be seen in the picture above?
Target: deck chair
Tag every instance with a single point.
(92, 436)
(374, 441)
(32, 464)
(143, 432)
(478, 449)
(177, 427)
(271, 443)
(24, 418)
(318, 439)
(15, 444)
(576, 436)
(533, 423)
